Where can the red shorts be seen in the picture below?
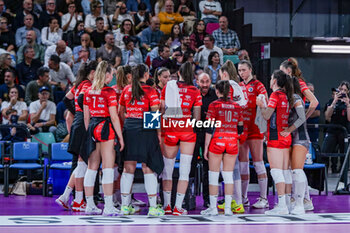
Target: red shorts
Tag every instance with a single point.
(172, 139)
(98, 130)
(280, 144)
(254, 131)
(220, 145)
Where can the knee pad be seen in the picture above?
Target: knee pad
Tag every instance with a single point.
(89, 178)
(151, 183)
(116, 173)
(213, 178)
(228, 177)
(298, 176)
(288, 176)
(259, 167)
(185, 167)
(277, 175)
(80, 170)
(126, 182)
(107, 176)
(244, 168)
(167, 173)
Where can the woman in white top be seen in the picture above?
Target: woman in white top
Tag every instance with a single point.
(51, 34)
(69, 20)
(14, 103)
(126, 29)
(90, 20)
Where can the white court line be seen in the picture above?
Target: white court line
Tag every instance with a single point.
(78, 220)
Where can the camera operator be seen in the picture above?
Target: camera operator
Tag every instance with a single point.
(337, 111)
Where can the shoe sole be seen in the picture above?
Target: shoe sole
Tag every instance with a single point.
(61, 203)
(78, 209)
(178, 214)
(168, 212)
(261, 207)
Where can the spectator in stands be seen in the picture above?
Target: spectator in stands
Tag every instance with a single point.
(90, 19)
(165, 40)
(163, 60)
(62, 7)
(109, 6)
(337, 111)
(187, 11)
(34, 86)
(84, 55)
(49, 12)
(10, 78)
(133, 5)
(210, 10)
(85, 43)
(22, 31)
(109, 52)
(61, 133)
(27, 8)
(42, 113)
(52, 34)
(60, 49)
(119, 15)
(314, 118)
(7, 38)
(184, 44)
(60, 73)
(86, 5)
(98, 35)
(5, 65)
(203, 52)
(74, 37)
(126, 29)
(159, 7)
(176, 36)
(39, 50)
(213, 66)
(197, 37)
(141, 18)
(150, 37)
(169, 18)
(11, 134)
(243, 55)
(131, 55)
(13, 102)
(5, 14)
(225, 38)
(28, 68)
(70, 19)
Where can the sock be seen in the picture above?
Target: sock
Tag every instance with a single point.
(179, 200)
(109, 201)
(67, 193)
(78, 196)
(126, 199)
(151, 184)
(245, 184)
(90, 201)
(263, 187)
(237, 193)
(288, 197)
(307, 190)
(228, 200)
(282, 200)
(213, 200)
(152, 201)
(167, 198)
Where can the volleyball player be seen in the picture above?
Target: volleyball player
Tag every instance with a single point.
(142, 145)
(278, 147)
(254, 139)
(162, 76)
(221, 145)
(188, 100)
(77, 136)
(103, 127)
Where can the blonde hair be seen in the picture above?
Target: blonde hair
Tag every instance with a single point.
(161, 3)
(230, 68)
(100, 75)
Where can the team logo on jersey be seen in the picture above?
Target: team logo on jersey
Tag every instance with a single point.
(250, 89)
(151, 120)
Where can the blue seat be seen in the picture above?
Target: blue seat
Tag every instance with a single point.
(26, 156)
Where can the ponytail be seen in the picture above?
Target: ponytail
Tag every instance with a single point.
(292, 63)
(285, 81)
(230, 68)
(122, 72)
(84, 71)
(100, 75)
(223, 87)
(137, 73)
(186, 73)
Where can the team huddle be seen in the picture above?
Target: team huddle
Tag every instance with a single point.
(106, 127)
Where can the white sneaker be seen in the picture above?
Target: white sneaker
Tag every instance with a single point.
(228, 211)
(210, 212)
(278, 210)
(111, 211)
(92, 210)
(136, 202)
(261, 203)
(308, 206)
(298, 210)
(62, 202)
(245, 202)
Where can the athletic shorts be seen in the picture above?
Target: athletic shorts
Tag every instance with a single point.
(98, 130)
(254, 132)
(172, 139)
(220, 145)
(280, 144)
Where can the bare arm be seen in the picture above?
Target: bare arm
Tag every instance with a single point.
(197, 112)
(24, 115)
(313, 102)
(206, 145)
(86, 116)
(122, 112)
(116, 125)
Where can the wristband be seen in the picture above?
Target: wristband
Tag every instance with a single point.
(149, 49)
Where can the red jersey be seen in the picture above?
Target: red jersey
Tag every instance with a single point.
(83, 86)
(100, 101)
(279, 119)
(138, 107)
(229, 113)
(118, 90)
(159, 91)
(303, 87)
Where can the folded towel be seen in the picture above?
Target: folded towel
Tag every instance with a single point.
(238, 94)
(172, 100)
(259, 119)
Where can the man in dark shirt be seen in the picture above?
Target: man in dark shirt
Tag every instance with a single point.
(208, 96)
(98, 35)
(27, 9)
(10, 77)
(49, 12)
(27, 69)
(163, 60)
